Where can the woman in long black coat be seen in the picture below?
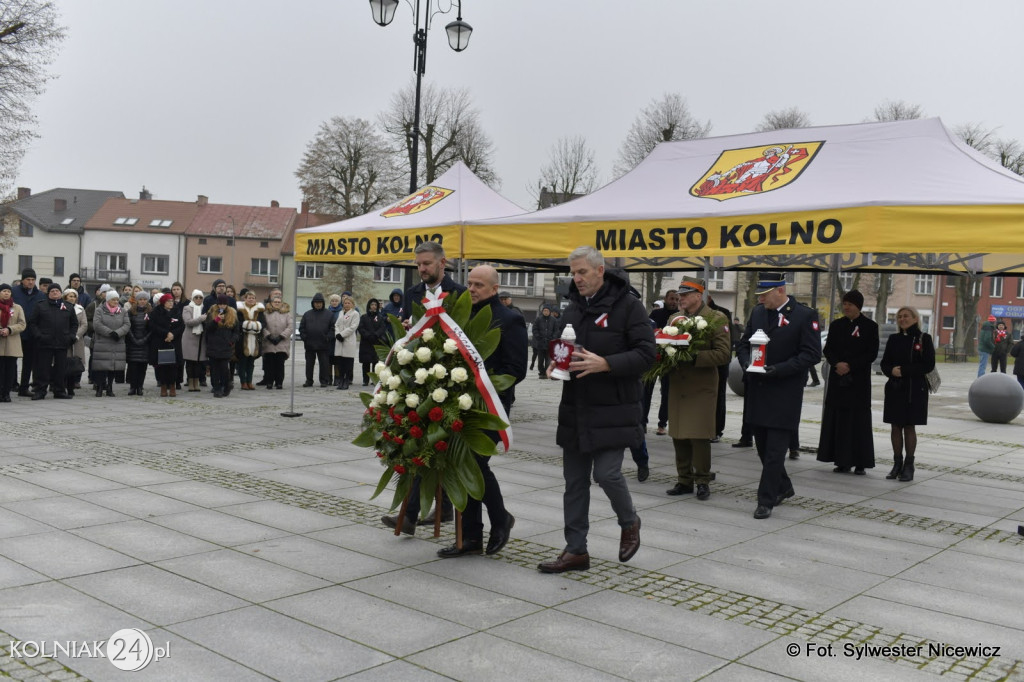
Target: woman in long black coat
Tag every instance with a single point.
(165, 329)
(909, 356)
(373, 329)
(852, 346)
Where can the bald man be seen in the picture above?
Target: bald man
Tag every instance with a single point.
(510, 357)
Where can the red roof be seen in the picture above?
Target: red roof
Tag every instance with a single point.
(243, 222)
(143, 215)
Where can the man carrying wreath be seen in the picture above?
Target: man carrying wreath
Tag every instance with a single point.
(693, 395)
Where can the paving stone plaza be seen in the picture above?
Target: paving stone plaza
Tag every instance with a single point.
(245, 546)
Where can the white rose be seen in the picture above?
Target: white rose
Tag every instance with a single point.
(670, 351)
(383, 375)
(465, 402)
(379, 367)
(394, 382)
(439, 395)
(670, 331)
(459, 375)
(392, 398)
(423, 354)
(428, 334)
(450, 347)
(412, 400)
(701, 323)
(378, 400)
(439, 371)
(421, 376)
(399, 345)
(405, 357)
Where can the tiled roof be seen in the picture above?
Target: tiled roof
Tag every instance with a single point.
(302, 221)
(81, 205)
(243, 222)
(118, 215)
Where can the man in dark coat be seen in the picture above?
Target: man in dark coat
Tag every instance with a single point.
(852, 346)
(53, 325)
(659, 318)
(599, 414)
(394, 305)
(545, 328)
(219, 287)
(508, 358)
(774, 398)
(317, 334)
(27, 295)
(75, 282)
(430, 262)
(723, 370)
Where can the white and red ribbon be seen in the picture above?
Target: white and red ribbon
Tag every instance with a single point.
(680, 339)
(436, 314)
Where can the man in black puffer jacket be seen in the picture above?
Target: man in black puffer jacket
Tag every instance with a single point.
(54, 325)
(317, 333)
(600, 412)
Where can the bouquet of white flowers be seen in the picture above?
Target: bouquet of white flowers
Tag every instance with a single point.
(678, 343)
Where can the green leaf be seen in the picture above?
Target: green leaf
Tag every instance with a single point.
(366, 439)
(365, 398)
(402, 489)
(502, 382)
(385, 478)
(456, 491)
(478, 325)
(488, 343)
(469, 474)
(428, 489)
(484, 421)
(397, 332)
(478, 442)
(462, 309)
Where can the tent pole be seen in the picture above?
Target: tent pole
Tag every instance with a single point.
(295, 307)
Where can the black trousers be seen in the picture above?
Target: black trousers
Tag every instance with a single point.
(472, 518)
(50, 370)
(273, 368)
(723, 380)
(344, 366)
(662, 407)
(412, 511)
(136, 374)
(322, 358)
(772, 449)
(220, 375)
(28, 363)
(8, 374)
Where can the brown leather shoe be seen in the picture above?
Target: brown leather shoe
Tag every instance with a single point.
(566, 562)
(630, 541)
(171, 391)
(163, 391)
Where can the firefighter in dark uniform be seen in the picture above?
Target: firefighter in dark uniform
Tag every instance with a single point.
(775, 397)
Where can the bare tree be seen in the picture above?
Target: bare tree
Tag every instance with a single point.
(347, 169)
(897, 111)
(570, 169)
(29, 38)
(450, 131)
(1010, 154)
(977, 135)
(663, 120)
(781, 119)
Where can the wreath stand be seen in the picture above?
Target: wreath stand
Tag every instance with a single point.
(437, 518)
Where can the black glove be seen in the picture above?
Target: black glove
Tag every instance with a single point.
(769, 370)
(114, 336)
(339, 337)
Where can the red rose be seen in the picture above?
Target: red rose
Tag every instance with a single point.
(397, 418)
(417, 461)
(399, 469)
(416, 432)
(398, 440)
(457, 425)
(436, 414)
(380, 454)
(441, 446)
(384, 435)
(413, 417)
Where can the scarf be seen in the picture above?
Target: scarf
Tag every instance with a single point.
(6, 309)
(251, 327)
(197, 312)
(114, 309)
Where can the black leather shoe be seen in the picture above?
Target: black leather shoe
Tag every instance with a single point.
(762, 512)
(716, 439)
(307, 384)
(859, 471)
(703, 491)
(794, 454)
(642, 474)
(841, 470)
(743, 444)
(629, 541)
(679, 489)
(499, 536)
(408, 527)
(447, 517)
(38, 396)
(566, 562)
(63, 396)
(468, 547)
(784, 496)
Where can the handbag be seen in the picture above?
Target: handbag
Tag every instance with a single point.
(933, 380)
(75, 365)
(166, 356)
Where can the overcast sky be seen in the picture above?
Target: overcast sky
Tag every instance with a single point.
(220, 97)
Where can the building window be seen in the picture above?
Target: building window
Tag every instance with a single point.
(846, 280)
(309, 270)
(264, 266)
(160, 223)
(926, 323)
(790, 277)
(924, 285)
(997, 287)
(518, 279)
(976, 288)
(264, 245)
(202, 241)
(112, 262)
(213, 265)
(229, 242)
(716, 280)
(155, 265)
(24, 229)
(126, 221)
(58, 266)
(949, 322)
(24, 262)
(1020, 287)
(950, 281)
(382, 274)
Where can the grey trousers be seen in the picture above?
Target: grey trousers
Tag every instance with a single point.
(606, 466)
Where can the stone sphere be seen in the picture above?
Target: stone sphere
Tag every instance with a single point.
(997, 398)
(736, 377)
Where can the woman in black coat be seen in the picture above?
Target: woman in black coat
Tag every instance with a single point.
(221, 331)
(137, 342)
(165, 329)
(373, 329)
(909, 356)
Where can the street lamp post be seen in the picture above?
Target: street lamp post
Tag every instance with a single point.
(458, 31)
